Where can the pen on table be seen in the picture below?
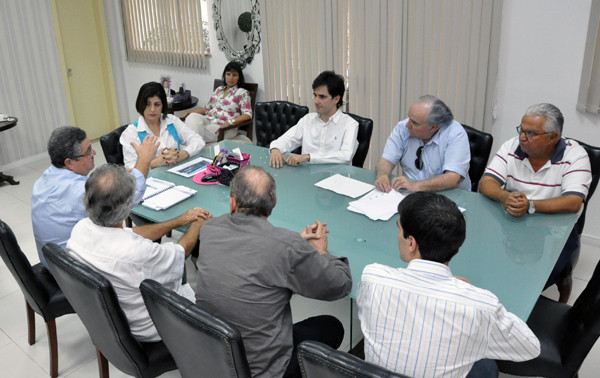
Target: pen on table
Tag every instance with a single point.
(215, 159)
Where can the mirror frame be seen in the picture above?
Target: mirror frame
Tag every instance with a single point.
(242, 56)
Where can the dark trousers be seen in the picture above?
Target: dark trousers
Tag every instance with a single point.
(485, 368)
(325, 329)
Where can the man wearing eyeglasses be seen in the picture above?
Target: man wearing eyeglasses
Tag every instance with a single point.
(56, 201)
(538, 171)
(432, 149)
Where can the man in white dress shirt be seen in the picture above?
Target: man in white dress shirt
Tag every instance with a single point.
(422, 321)
(327, 136)
(124, 257)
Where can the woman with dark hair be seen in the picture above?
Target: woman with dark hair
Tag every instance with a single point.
(228, 105)
(177, 141)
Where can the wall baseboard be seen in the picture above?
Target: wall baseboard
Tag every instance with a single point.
(591, 240)
(22, 162)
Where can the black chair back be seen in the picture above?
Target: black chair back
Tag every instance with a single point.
(319, 360)
(594, 155)
(112, 148)
(584, 327)
(365, 130)
(566, 334)
(41, 292)
(34, 291)
(480, 144)
(272, 119)
(96, 303)
(201, 344)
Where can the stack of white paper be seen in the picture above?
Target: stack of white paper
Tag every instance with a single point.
(344, 185)
(377, 205)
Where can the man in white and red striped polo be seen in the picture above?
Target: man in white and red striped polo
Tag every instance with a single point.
(539, 171)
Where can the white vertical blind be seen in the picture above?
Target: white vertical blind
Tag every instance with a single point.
(390, 51)
(30, 79)
(589, 88)
(167, 32)
(308, 38)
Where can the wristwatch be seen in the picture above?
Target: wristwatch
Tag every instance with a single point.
(232, 121)
(531, 207)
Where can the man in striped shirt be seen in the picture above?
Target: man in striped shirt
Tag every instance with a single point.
(539, 171)
(422, 321)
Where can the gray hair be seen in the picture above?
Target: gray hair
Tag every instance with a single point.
(439, 113)
(254, 191)
(64, 143)
(554, 118)
(109, 195)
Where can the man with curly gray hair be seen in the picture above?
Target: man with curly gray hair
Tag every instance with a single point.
(123, 256)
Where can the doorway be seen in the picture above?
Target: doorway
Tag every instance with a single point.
(84, 55)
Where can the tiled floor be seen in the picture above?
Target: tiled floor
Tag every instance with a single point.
(76, 352)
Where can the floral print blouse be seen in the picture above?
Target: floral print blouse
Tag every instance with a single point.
(235, 103)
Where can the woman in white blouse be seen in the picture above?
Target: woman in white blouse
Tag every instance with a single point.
(229, 105)
(177, 141)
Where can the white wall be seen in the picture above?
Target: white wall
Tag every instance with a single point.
(541, 57)
(130, 76)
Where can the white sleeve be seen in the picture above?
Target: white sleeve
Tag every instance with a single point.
(190, 140)
(292, 138)
(129, 155)
(510, 338)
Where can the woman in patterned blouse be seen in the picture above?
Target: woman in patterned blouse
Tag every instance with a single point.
(228, 105)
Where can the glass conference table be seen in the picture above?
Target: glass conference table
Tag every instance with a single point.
(512, 257)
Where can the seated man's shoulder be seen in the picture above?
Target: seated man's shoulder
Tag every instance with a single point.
(377, 271)
(574, 147)
(456, 128)
(347, 119)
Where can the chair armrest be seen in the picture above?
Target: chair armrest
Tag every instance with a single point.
(247, 123)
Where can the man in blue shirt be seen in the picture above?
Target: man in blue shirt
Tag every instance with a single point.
(432, 149)
(56, 201)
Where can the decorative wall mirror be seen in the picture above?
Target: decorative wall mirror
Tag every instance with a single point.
(237, 23)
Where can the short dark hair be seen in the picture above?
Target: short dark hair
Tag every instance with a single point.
(65, 143)
(253, 189)
(334, 82)
(148, 90)
(439, 113)
(109, 195)
(435, 222)
(237, 67)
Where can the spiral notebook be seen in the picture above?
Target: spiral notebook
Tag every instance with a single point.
(161, 194)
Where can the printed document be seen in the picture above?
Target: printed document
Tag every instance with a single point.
(345, 185)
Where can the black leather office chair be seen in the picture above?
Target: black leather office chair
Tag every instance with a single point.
(319, 360)
(272, 119)
(95, 301)
(480, 144)
(41, 292)
(201, 344)
(565, 280)
(111, 147)
(566, 334)
(365, 130)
